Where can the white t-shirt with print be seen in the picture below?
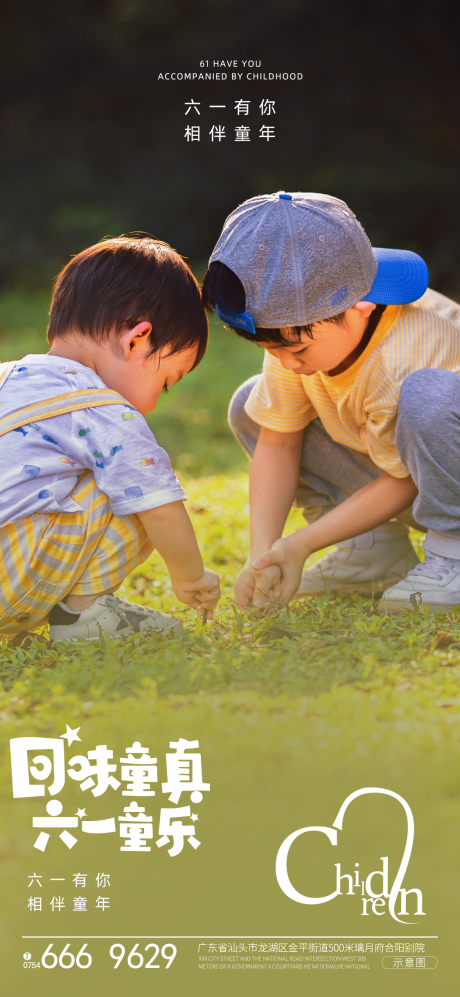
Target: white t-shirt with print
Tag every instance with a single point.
(41, 462)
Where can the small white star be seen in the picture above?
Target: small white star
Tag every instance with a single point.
(194, 817)
(80, 813)
(71, 735)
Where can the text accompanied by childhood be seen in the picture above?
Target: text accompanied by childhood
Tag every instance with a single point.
(234, 70)
(241, 132)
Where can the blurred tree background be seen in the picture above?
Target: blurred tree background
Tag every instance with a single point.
(92, 143)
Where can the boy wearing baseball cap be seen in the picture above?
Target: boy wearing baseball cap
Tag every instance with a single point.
(356, 414)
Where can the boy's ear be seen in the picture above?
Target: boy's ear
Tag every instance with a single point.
(365, 307)
(132, 340)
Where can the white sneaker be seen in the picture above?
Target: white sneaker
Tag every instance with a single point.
(434, 583)
(365, 564)
(118, 619)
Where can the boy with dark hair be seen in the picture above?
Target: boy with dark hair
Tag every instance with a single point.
(87, 493)
(357, 411)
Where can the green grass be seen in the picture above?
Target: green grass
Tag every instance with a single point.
(320, 651)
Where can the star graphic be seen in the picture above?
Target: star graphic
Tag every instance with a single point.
(71, 735)
(80, 813)
(194, 817)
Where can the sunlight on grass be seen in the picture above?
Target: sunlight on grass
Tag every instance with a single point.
(322, 653)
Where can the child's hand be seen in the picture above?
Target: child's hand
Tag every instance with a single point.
(257, 588)
(288, 555)
(202, 594)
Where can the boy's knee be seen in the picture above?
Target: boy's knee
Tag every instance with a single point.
(238, 419)
(428, 397)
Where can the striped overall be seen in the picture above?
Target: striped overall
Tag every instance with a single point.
(49, 555)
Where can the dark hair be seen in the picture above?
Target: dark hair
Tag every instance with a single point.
(119, 282)
(221, 286)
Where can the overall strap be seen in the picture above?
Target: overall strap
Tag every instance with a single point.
(5, 371)
(73, 401)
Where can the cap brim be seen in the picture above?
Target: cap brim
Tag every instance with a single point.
(402, 277)
(241, 320)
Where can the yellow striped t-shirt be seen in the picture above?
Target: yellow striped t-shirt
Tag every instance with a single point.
(359, 407)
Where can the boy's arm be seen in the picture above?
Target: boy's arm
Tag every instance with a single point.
(273, 483)
(170, 531)
(372, 505)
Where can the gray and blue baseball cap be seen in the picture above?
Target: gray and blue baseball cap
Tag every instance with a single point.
(302, 258)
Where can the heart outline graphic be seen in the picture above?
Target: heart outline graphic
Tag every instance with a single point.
(331, 833)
